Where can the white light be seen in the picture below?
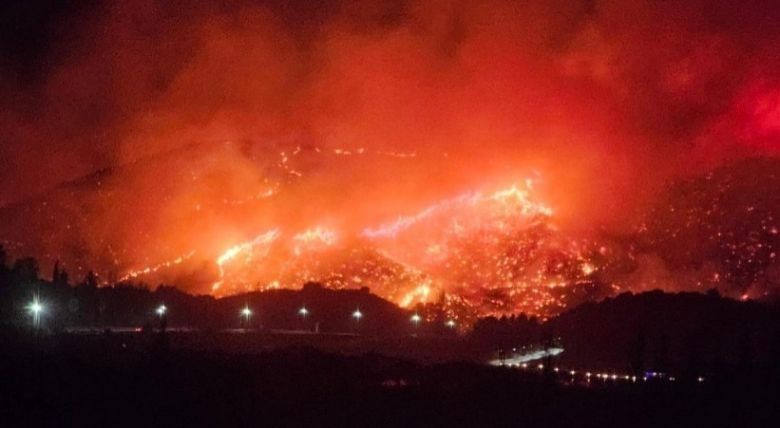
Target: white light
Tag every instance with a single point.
(416, 318)
(451, 323)
(36, 308)
(357, 314)
(161, 310)
(246, 312)
(572, 372)
(303, 311)
(700, 379)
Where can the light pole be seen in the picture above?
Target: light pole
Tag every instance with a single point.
(36, 308)
(246, 313)
(161, 311)
(357, 315)
(416, 319)
(303, 312)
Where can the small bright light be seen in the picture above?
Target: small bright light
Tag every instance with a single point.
(451, 323)
(357, 314)
(588, 374)
(572, 372)
(524, 365)
(540, 366)
(246, 312)
(700, 379)
(416, 318)
(303, 311)
(36, 308)
(161, 310)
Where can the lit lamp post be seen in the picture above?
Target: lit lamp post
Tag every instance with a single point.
(36, 308)
(303, 312)
(246, 313)
(357, 315)
(450, 323)
(161, 311)
(416, 319)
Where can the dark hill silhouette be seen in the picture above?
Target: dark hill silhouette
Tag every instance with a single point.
(662, 331)
(327, 310)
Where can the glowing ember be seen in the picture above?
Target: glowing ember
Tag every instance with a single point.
(312, 238)
(372, 143)
(495, 250)
(156, 268)
(261, 241)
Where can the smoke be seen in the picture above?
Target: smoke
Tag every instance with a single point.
(198, 108)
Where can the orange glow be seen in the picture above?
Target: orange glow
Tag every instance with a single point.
(437, 153)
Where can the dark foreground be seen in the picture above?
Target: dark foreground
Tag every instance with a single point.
(101, 383)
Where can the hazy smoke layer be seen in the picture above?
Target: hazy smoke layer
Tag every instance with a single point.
(217, 122)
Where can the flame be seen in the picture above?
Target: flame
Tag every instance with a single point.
(419, 294)
(514, 199)
(262, 240)
(477, 252)
(403, 223)
(312, 238)
(521, 197)
(156, 268)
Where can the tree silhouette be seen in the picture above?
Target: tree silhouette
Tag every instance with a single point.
(3, 259)
(26, 270)
(91, 280)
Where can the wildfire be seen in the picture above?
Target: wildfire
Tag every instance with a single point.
(419, 294)
(515, 199)
(521, 197)
(402, 223)
(494, 251)
(313, 237)
(156, 268)
(263, 240)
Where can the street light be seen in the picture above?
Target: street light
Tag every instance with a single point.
(36, 308)
(246, 313)
(161, 310)
(451, 323)
(357, 315)
(303, 311)
(416, 318)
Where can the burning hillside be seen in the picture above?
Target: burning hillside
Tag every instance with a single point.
(485, 157)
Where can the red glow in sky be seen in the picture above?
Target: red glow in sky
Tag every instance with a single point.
(362, 143)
